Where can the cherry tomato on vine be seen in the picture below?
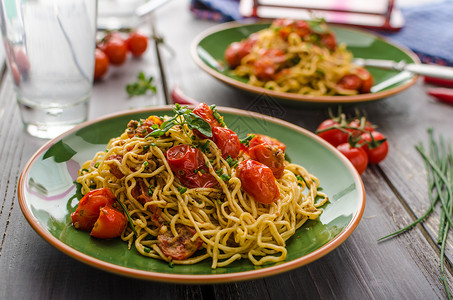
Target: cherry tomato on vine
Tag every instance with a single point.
(188, 165)
(258, 181)
(101, 64)
(137, 43)
(110, 224)
(376, 150)
(368, 127)
(116, 49)
(333, 136)
(357, 156)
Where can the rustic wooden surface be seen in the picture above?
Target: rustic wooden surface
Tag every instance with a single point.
(405, 267)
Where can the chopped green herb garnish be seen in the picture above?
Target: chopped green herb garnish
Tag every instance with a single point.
(147, 249)
(217, 116)
(141, 86)
(202, 171)
(195, 171)
(146, 147)
(145, 163)
(247, 139)
(171, 264)
(86, 170)
(151, 190)
(231, 162)
(182, 190)
(219, 172)
(287, 158)
(128, 217)
(225, 177)
(96, 165)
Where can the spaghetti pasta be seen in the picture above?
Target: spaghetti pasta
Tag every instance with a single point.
(186, 221)
(298, 57)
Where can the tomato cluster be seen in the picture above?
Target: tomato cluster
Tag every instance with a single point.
(257, 174)
(98, 214)
(113, 50)
(357, 139)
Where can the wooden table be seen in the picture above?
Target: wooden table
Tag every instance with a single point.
(405, 267)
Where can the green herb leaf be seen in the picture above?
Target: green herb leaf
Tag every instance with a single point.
(141, 86)
(247, 139)
(196, 122)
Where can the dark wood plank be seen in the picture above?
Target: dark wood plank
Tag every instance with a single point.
(394, 192)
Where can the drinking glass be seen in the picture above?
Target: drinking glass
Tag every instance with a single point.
(49, 46)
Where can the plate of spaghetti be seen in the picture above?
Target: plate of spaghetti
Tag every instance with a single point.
(301, 61)
(191, 195)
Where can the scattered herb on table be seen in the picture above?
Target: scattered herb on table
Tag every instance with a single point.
(439, 167)
(141, 86)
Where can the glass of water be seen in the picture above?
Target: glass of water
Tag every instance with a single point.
(49, 46)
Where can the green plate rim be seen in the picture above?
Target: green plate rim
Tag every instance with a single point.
(296, 98)
(189, 278)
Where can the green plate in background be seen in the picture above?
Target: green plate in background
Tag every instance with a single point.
(47, 196)
(209, 47)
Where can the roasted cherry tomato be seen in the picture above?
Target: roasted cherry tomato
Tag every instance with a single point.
(236, 51)
(258, 181)
(350, 82)
(367, 80)
(362, 81)
(266, 66)
(357, 156)
(285, 27)
(377, 147)
(227, 141)
(271, 156)
(329, 41)
(204, 111)
(264, 139)
(89, 208)
(116, 49)
(334, 136)
(137, 43)
(110, 224)
(101, 64)
(181, 246)
(188, 165)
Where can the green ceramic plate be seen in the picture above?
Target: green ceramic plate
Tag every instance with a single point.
(47, 197)
(209, 47)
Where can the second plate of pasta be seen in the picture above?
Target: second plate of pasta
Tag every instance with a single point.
(209, 48)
